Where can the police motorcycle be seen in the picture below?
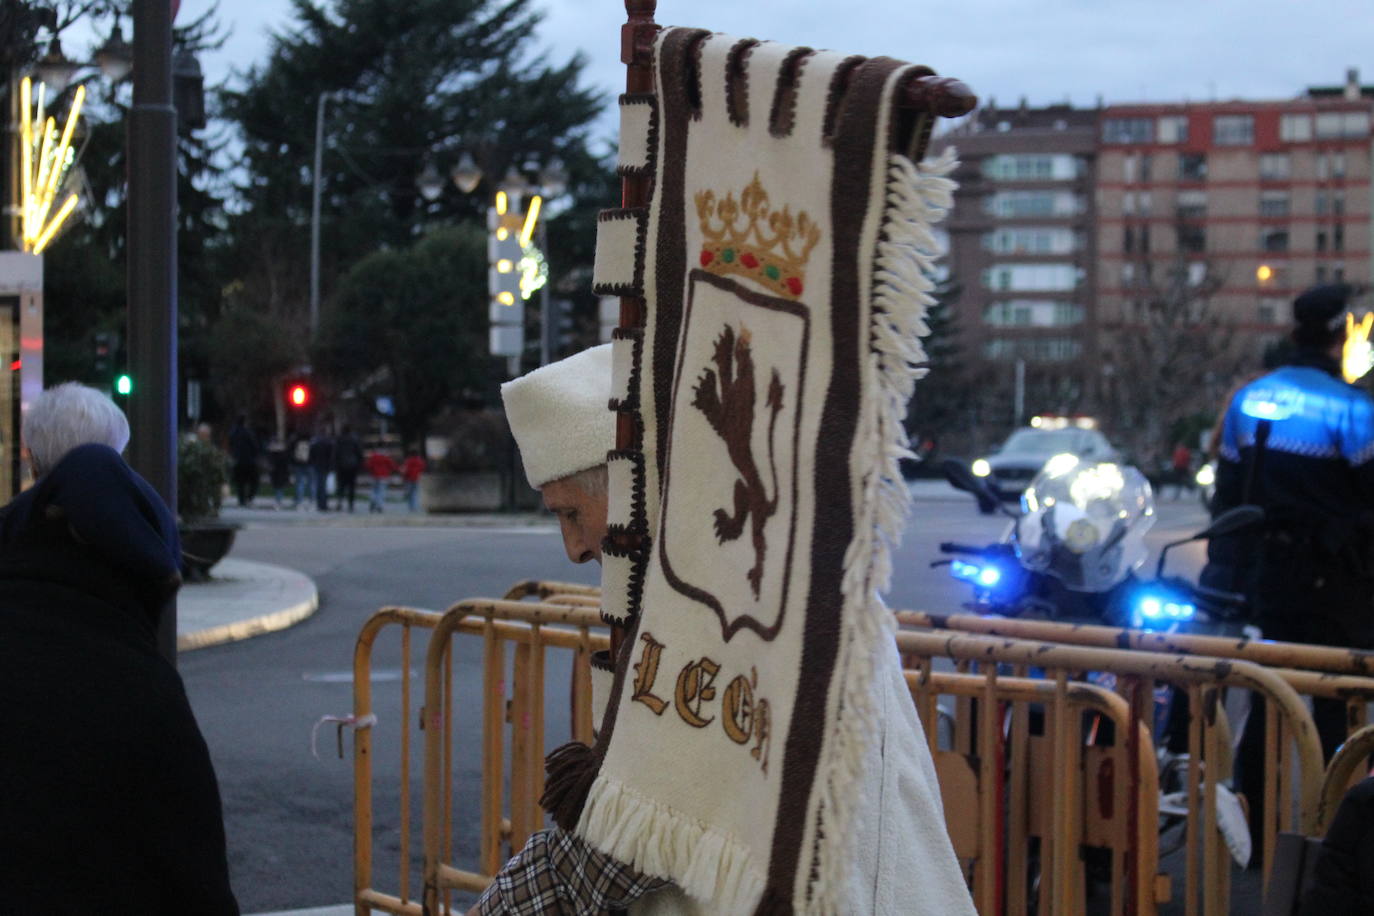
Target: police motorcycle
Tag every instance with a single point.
(1072, 555)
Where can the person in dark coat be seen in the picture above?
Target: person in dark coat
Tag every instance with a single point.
(244, 451)
(1343, 878)
(108, 799)
(348, 458)
(321, 463)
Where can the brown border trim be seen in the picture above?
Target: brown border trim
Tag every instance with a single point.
(641, 217)
(651, 142)
(854, 143)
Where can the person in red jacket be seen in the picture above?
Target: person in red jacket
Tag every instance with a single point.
(411, 469)
(381, 466)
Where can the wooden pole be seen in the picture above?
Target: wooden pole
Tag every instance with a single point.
(636, 52)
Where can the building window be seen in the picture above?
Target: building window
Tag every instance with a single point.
(1146, 167)
(1017, 204)
(1233, 130)
(1273, 203)
(1128, 130)
(1333, 125)
(1275, 166)
(1191, 204)
(1128, 167)
(1321, 202)
(1032, 313)
(1321, 240)
(1338, 237)
(1144, 201)
(1192, 167)
(1338, 165)
(1173, 129)
(1321, 273)
(1127, 275)
(1323, 167)
(1192, 239)
(1295, 128)
(1128, 240)
(1145, 239)
(1337, 203)
(1270, 309)
(1274, 240)
(1040, 349)
(1030, 240)
(1040, 277)
(1032, 167)
(1338, 273)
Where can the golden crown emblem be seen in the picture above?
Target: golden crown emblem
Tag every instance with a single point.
(748, 237)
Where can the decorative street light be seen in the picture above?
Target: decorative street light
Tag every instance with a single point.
(430, 183)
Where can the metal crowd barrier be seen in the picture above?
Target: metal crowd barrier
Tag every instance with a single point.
(1345, 674)
(1347, 767)
(1053, 782)
(1207, 875)
(533, 629)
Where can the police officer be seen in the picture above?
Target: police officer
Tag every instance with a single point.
(1299, 442)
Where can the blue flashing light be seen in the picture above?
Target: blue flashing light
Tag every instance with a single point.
(967, 571)
(989, 576)
(1152, 608)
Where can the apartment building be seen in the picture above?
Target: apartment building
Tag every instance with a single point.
(1022, 251)
(1259, 198)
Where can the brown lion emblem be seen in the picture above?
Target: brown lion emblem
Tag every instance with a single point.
(726, 396)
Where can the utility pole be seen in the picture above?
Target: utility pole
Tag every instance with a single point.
(152, 266)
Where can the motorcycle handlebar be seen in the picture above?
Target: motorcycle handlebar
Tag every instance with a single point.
(1216, 594)
(986, 551)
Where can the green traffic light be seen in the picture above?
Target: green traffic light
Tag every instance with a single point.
(124, 385)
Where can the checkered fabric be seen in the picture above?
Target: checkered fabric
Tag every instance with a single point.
(557, 874)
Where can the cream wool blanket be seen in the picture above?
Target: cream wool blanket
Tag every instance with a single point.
(759, 748)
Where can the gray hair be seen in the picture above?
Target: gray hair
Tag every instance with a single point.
(68, 415)
(594, 481)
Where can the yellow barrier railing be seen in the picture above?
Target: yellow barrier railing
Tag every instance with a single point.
(1209, 757)
(1109, 791)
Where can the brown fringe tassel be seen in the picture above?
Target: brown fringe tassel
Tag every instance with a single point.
(569, 771)
(773, 903)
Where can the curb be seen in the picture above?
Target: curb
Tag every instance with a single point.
(257, 624)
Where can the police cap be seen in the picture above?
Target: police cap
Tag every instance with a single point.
(1322, 306)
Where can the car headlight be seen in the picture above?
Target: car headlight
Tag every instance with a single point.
(981, 468)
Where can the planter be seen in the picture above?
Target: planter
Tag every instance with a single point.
(203, 544)
(476, 491)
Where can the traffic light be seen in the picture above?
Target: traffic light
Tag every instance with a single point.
(124, 384)
(298, 395)
(104, 352)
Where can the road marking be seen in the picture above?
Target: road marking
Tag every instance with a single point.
(379, 676)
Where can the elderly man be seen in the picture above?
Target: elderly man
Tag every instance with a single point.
(561, 421)
(65, 416)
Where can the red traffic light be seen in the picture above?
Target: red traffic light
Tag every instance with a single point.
(298, 395)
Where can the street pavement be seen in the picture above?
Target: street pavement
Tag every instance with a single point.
(288, 814)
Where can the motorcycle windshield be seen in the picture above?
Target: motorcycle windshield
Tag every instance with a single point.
(1085, 522)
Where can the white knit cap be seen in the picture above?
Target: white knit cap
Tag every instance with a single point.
(561, 417)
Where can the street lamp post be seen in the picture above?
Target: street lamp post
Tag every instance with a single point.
(153, 265)
(315, 214)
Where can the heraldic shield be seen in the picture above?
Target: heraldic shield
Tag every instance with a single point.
(738, 410)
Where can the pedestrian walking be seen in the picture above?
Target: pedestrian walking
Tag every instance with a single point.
(279, 470)
(1181, 469)
(382, 467)
(348, 458)
(301, 471)
(244, 452)
(321, 464)
(411, 469)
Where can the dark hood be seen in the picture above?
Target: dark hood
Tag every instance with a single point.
(94, 525)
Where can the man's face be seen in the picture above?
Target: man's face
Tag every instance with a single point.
(581, 516)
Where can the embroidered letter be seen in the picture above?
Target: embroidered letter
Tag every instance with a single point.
(646, 671)
(693, 689)
(738, 704)
(763, 730)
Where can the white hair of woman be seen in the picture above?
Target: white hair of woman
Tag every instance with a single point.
(68, 415)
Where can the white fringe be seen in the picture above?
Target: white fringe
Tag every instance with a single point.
(916, 198)
(632, 827)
